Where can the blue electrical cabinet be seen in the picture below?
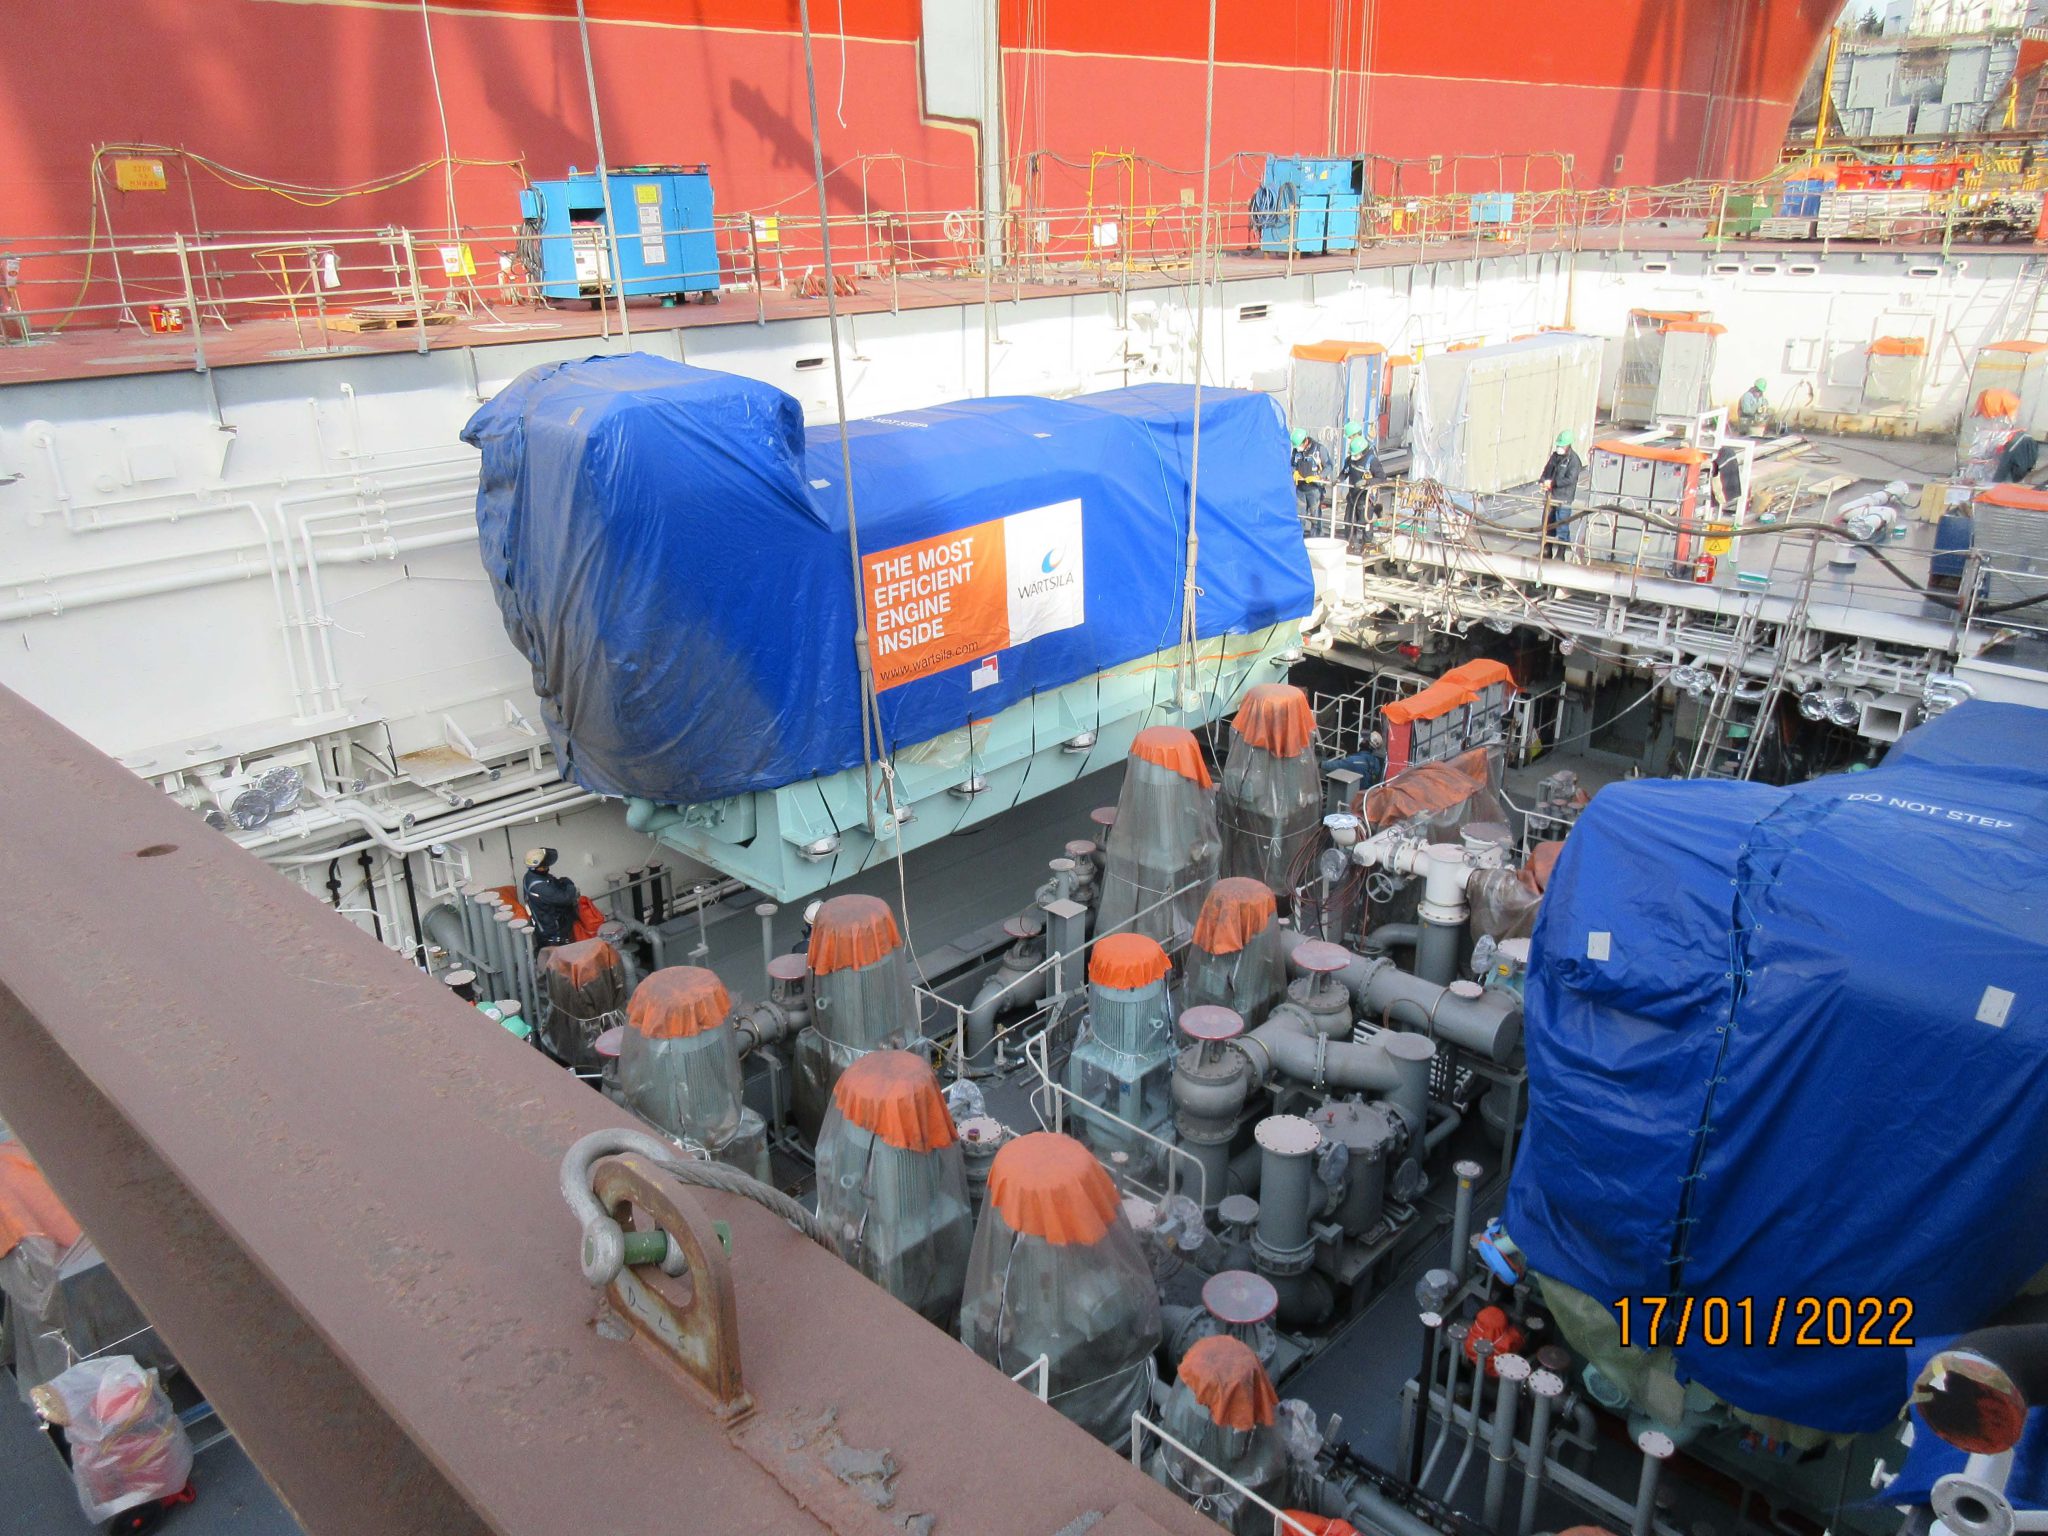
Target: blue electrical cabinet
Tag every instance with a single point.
(663, 217)
(1308, 206)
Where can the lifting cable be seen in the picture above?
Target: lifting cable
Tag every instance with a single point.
(1184, 674)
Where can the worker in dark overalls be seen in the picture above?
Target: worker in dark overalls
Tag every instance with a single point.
(1361, 468)
(1560, 483)
(1311, 479)
(551, 900)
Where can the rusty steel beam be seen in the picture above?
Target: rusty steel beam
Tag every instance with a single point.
(333, 1189)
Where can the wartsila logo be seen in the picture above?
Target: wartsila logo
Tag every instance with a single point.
(1054, 578)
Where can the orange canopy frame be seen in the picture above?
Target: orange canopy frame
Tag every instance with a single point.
(1237, 911)
(677, 1002)
(1276, 717)
(895, 1095)
(1334, 351)
(1172, 747)
(852, 931)
(1127, 961)
(582, 962)
(28, 1206)
(1228, 1380)
(1897, 346)
(1049, 1186)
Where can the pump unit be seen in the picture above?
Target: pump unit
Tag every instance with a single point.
(861, 999)
(1234, 960)
(1223, 1408)
(1667, 365)
(585, 988)
(679, 1066)
(1465, 708)
(1123, 1062)
(1666, 479)
(1164, 846)
(1892, 366)
(1272, 798)
(662, 218)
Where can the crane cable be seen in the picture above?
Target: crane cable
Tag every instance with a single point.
(1184, 673)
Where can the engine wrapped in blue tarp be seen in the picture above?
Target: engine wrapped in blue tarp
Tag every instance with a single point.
(668, 546)
(1791, 1043)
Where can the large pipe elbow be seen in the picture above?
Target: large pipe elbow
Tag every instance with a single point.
(1489, 1024)
(1390, 1063)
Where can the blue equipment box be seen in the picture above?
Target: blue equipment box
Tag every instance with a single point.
(663, 216)
(1311, 205)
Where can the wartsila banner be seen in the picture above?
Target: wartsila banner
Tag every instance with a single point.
(669, 549)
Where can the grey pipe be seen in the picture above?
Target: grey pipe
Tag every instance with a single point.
(447, 931)
(486, 906)
(1287, 1147)
(1483, 1350)
(1490, 1023)
(766, 912)
(1389, 1062)
(1544, 1388)
(1382, 1513)
(1461, 1218)
(1441, 1132)
(1512, 1371)
(503, 974)
(1655, 1445)
(1436, 955)
(1002, 992)
(527, 979)
(1455, 1337)
(1390, 936)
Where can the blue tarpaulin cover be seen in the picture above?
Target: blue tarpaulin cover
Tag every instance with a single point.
(1793, 1043)
(668, 548)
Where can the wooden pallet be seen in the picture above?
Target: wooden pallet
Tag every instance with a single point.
(392, 317)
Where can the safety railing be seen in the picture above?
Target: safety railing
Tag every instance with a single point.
(1052, 1116)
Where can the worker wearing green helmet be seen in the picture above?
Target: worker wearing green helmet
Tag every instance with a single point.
(1311, 479)
(1361, 468)
(1559, 483)
(1753, 410)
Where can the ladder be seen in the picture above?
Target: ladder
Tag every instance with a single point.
(1791, 637)
(1723, 748)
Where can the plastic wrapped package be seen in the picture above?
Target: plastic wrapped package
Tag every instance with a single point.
(679, 1060)
(1057, 1271)
(1123, 1061)
(1271, 806)
(1505, 901)
(892, 1186)
(1165, 847)
(1440, 799)
(1224, 1409)
(861, 999)
(127, 1446)
(1234, 960)
(585, 984)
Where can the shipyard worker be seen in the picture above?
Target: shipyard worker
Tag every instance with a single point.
(551, 899)
(1560, 483)
(802, 946)
(1311, 478)
(1753, 410)
(1361, 466)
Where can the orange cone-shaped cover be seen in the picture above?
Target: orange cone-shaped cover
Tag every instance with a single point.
(1236, 911)
(1173, 747)
(1535, 874)
(1276, 716)
(852, 931)
(28, 1206)
(895, 1095)
(1127, 960)
(1997, 403)
(1316, 1525)
(1228, 1380)
(583, 962)
(678, 1001)
(1050, 1186)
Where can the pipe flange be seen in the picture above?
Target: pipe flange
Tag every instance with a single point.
(1970, 1508)
(1441, 914)
(1284, 1263)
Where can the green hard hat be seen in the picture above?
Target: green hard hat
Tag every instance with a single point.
(1762, 385)
(1354, 429)
(1354, 442)
(1297, 437)
(1564, 439)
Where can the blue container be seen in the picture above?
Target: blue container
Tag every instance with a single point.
(663, 216)
(1309, 205)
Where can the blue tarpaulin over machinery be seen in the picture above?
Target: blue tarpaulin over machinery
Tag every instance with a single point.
(669, 549)
(1788, 1043)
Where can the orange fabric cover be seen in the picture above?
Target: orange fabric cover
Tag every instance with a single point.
(1401, 360)
(1482, 674)
(1127, 960)
(1897, 346)
(588, 918)
(2016, 346)
(1998, 402)
(1237, 910)
(1661, 454)
(1049, 1186)
(1276, 716)
(1228, 1380)
(582, 962)
(852, 931)
(1334, 351)
(1535, 875)
(895, 1094)
(1426, 787)
(28, 1206)
(1173, 747)
(1704, 327)
(1667, 317)
(509, 894)
(1439, 698)
(2026, 498)
(1316, 1525)
(677, 1001)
